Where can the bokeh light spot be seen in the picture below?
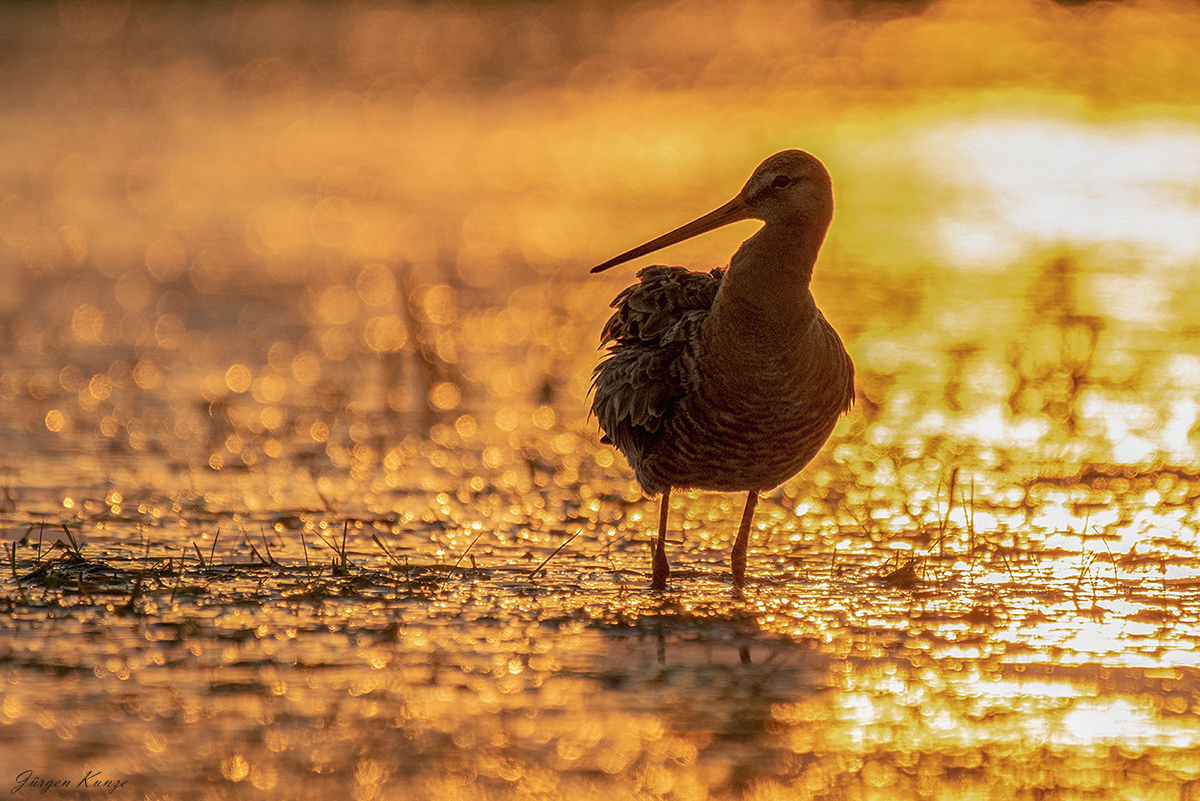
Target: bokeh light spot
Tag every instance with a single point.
(238, 378)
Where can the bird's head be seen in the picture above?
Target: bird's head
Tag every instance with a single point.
(791, 188)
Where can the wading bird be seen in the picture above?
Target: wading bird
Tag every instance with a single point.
(730, 380)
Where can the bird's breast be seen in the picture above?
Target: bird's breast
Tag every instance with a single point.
(756, 413)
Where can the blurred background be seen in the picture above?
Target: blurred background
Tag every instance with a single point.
(240, 232)
(296, 337)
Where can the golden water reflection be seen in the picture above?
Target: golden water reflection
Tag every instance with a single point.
(298, 337)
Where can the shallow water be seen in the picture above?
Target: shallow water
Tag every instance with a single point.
(301, 498)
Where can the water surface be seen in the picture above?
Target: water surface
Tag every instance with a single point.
(298, 335)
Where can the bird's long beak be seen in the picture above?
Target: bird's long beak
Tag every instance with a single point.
(733, 211)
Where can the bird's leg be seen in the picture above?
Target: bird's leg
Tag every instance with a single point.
(662, 571)
(738, 557)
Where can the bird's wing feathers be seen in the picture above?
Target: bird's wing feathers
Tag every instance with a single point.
(646, 311)
(644, 374)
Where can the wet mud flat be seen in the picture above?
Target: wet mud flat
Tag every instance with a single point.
(407, 642)
(252, 551)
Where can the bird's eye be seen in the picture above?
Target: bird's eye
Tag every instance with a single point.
(781, 181)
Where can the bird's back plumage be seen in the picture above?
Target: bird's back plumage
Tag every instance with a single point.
(651, 361)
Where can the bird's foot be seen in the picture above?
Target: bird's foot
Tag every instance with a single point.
(737, 559)
(662, 571)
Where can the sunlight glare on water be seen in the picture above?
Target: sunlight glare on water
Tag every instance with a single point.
(1125, 188)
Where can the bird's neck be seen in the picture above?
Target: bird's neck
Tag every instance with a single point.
(765, 293)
